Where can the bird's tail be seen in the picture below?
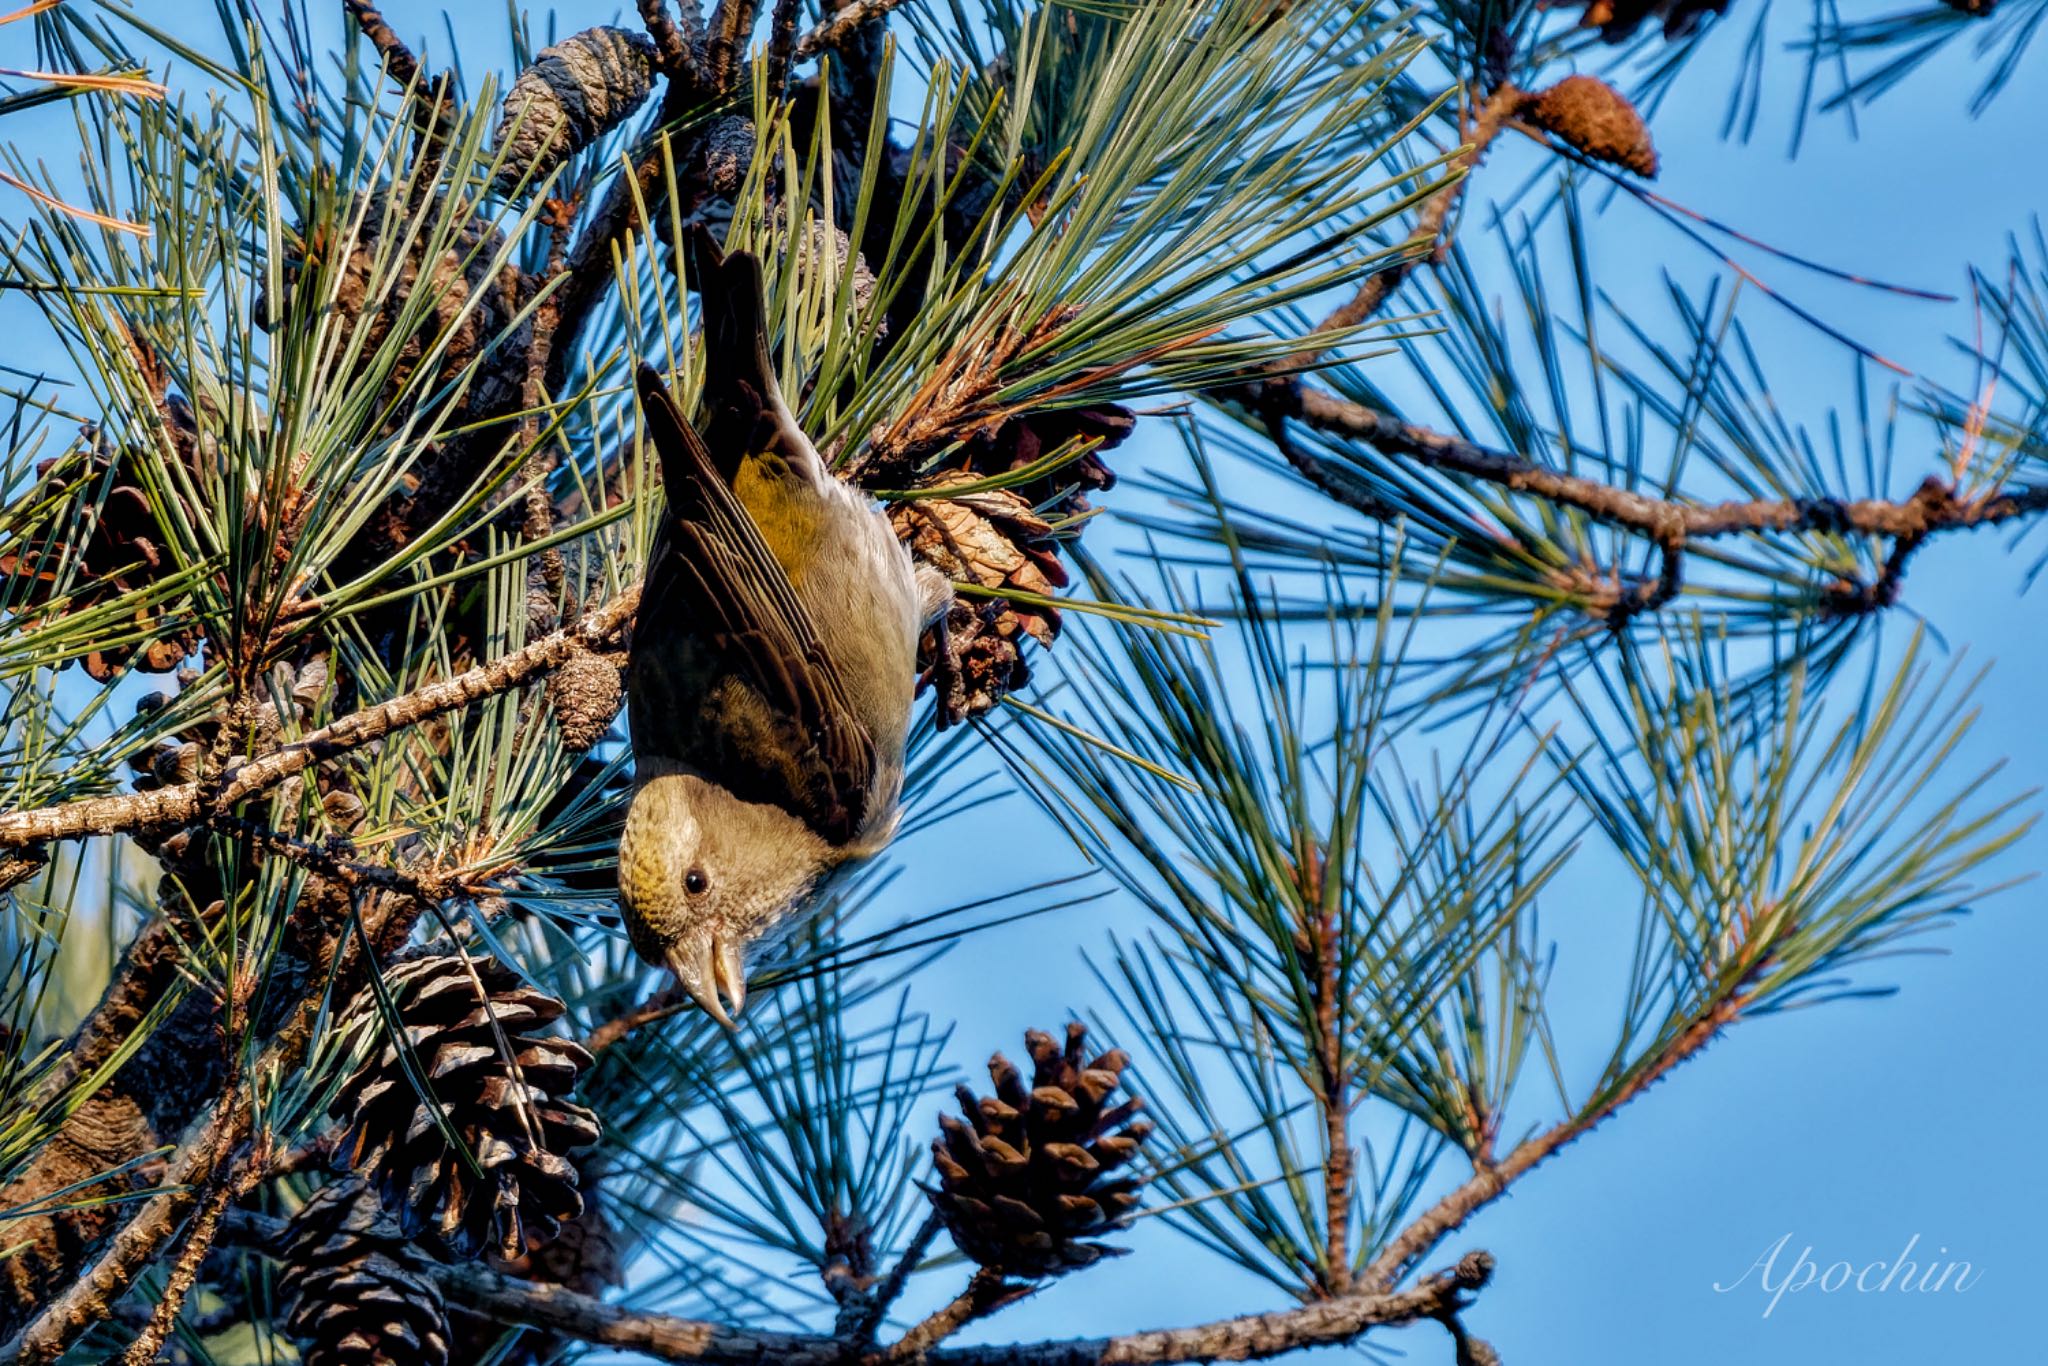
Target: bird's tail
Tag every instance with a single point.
(744, 411)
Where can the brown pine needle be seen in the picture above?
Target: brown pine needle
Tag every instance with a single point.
(26, 10)
(49, 200)
(116, 82)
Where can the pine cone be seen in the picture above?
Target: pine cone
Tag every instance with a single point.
(585, 694)
(117, 547)
(1008, 538)
(1594, 117)
(357, 1293)
(472, 305)
(728, 153)
(1028, 1173)
(576, 91)
(514, 1124)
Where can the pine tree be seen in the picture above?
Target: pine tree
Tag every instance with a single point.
(1431, 573)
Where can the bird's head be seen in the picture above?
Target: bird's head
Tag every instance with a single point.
(705, 877)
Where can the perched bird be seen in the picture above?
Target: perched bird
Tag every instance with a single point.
(772, 664)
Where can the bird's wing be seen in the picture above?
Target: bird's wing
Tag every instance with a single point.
(715, 577)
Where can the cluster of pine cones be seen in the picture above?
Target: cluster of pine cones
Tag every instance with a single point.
(456, 1132)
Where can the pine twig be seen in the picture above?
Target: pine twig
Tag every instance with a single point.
(1490, 1180)
(1933, 508)
(670, 1000)
(1427, 241)
(836, 28)
(860, 1328)
(672, 41)
(986, 1292)
(182, 805)
(730, 24)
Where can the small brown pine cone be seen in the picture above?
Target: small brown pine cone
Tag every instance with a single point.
(114, 546)
(1591, 115)
(576, 91)
(356, 1292)
(506, 1108)
(585, 694)
(1030, 1173)
(370, 294)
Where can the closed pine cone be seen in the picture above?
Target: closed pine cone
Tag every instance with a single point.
(1028, 1174)
(357, 1293)
(1591, 115)
(515, 1124)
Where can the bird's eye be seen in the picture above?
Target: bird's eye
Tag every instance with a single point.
(695, 883)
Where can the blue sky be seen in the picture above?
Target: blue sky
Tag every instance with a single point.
(1850, 1129)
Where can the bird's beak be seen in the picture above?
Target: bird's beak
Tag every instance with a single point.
(707, 963)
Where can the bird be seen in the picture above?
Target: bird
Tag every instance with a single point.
(772, 664)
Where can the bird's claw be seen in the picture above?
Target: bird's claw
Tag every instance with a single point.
(708, 965)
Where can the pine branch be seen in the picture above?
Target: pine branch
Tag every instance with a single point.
(672, 41)
(187, 803)
(1491, 1180)
(139, 1243)
(862, 1317)
(1935, 507)
(1427, 241)
(986, 1292)
(837, 28)
(1251, 1337)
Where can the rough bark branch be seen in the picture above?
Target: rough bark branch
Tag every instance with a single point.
(1670, 524)
(183, 805)
(835, 29)
(1251, 1337)
(672, 41)
(986, 1292)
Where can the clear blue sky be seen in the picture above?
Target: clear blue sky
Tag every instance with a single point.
(1851, 1128)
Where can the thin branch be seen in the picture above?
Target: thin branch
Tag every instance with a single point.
(1487, 1183)
(183, 805)
(1427, 241)
(223, 1188)
(835, 29)
(781, 38)
(398, 58)
(670, 1000)
(731, 22)
(986, 1292)
(405, 69)
(860, 1328)
(1252, 1337)
(1934, 507)
(672, 41)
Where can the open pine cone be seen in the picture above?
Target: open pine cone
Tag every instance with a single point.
(117, 546)
(506, 1108)
(1006, 539)
(1029, 1173)
(357, 1293)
